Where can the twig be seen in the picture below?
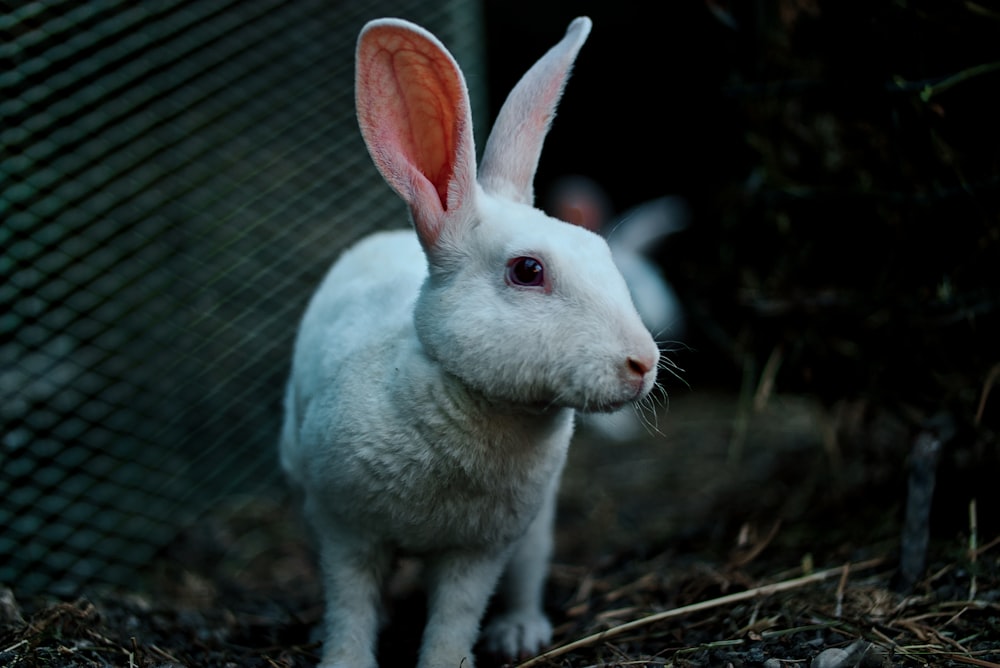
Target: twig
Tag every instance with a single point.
(930, 91)
(741, 422)
(13, 647)
(841, 587)
(954, 617)
(758, 547)
(163, 653)
(763, 590)
(972, 661)
(979, 10)
(973, 542)
(767, 377)
(990, 545)
(991, 378)
(907, 651)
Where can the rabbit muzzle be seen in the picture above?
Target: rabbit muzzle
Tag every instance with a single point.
(640, 373)
(640, 377)
(636, 378)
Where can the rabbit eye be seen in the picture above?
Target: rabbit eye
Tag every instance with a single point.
(525, 271)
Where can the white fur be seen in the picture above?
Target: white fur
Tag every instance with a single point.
(631, 237)
(431, 400)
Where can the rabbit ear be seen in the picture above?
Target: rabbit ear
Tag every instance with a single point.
(413, 110)
(580, 201)
(515, 144)
(647, 224)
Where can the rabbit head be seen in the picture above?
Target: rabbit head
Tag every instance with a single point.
(632, 236)
(520, 306)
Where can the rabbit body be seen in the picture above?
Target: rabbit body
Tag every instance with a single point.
(417, 464)
(434, 379)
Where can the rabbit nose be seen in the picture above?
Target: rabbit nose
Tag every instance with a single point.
(641, 365)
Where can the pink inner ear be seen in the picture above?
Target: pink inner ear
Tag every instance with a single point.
(579, 211)
(411, 99)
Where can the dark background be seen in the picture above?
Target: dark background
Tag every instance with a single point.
(845, 227)
(827, 196)
(645, 112)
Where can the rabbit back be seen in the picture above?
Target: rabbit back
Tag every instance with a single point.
(368, 293)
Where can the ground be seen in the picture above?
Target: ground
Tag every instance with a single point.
(752, 531)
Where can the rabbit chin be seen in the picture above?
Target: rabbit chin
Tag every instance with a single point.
(608, 407)
(539, 398)
(542, 407)
(557, 403)
(612, 404)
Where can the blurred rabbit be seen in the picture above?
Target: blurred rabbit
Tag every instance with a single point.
(436, 374)
(631, 236)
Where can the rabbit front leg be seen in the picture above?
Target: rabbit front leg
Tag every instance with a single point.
(460, 587)
(521, 627)
(352, 578)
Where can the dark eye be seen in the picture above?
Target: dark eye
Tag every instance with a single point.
(526, 271)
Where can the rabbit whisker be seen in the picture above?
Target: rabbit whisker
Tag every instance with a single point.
(671, 367)
(659, 333)
(670, 345)
(648, 417)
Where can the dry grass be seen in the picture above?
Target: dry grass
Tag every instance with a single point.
(666, 610)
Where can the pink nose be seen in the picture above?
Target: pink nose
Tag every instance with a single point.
(642, 365)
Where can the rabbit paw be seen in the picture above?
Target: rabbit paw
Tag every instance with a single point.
(517, 634)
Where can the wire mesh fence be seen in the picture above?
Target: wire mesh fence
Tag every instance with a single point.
(175, 177)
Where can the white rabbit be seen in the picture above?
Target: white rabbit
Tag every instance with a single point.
(436, 374)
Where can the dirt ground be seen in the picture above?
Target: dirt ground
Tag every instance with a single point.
(759, 530)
